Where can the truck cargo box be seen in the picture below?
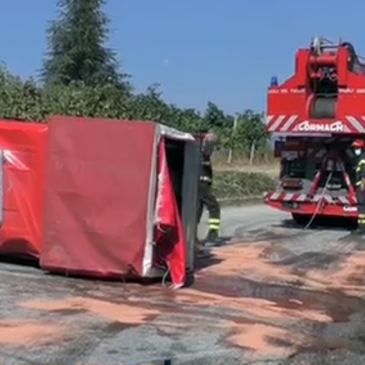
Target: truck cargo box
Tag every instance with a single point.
(108, 191)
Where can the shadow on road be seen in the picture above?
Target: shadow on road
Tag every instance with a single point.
(321, 222)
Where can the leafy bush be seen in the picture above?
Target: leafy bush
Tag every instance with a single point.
(238, 185)
(28, 100)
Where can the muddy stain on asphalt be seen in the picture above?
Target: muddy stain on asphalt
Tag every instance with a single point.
(28, 333)
(122, 312)
(247, 293)
(336, 305)
(327, 293)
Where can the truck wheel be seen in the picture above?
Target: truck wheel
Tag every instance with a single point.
(301, 219)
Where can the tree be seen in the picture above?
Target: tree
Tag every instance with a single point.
(214, 117)
(76, 48)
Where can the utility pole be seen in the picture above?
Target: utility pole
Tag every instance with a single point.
(234, 127)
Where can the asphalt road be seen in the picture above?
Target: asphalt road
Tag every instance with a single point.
(275, 294)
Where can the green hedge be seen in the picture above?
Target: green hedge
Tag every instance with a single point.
(236, 185)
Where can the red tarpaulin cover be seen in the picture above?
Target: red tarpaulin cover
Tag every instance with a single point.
(97, 192)
(23, 146)
(101, 201)
(169, 230)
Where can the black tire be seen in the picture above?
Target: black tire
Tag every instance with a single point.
(301, 219)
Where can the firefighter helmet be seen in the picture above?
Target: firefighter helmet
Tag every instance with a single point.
(209, 143)
(359, 143)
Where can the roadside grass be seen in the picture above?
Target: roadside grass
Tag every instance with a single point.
(242, 184)
(240, 178)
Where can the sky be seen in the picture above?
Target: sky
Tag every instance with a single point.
(223, 51)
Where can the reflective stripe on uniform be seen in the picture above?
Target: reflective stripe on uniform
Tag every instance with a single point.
(361, 218)
(205, 178)
(360, 164)
(214, 223)
(360, 182)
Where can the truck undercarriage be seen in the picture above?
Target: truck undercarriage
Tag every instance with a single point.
(316, 178)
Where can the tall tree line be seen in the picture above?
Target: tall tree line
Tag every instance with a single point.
(81, 76)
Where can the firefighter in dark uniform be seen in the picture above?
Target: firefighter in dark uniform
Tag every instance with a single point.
(358, 148)
(205, 191)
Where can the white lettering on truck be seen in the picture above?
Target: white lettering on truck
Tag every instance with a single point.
(333, 127)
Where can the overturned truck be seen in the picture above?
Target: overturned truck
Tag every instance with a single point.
(315, 115)
(98, 197)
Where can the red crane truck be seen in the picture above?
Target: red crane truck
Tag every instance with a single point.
(315, 115)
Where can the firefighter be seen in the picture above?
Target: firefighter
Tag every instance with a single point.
(358, 148)
(205, 191)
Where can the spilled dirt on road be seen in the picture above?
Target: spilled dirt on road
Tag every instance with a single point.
(124, 313)
(345, 274)
(349, 277)
(28, 333)
(241, 331)
(260, 337)
(253, 300)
